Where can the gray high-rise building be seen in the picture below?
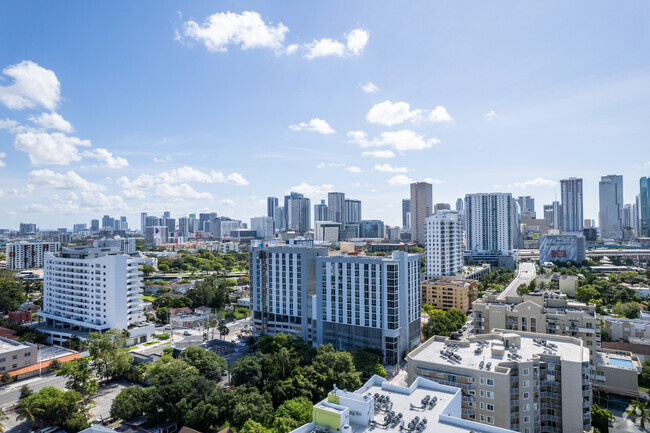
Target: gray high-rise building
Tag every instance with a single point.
(320, 211)
(459, 204)
(203, 219)
(406, 213)
(107, 221)
(644, 206)
(548, 215)
(171, 225)
(557, 215)
(526, 205)
(124, 225)
(280, 219)
(27, 229)
(352, 211)
(421, 208)
(166, 214)
(143, 222)
(336, 207)
(297, 211)
(94, 225)
(271, 206)
(610, 193)
(572, 215)
(441, 206)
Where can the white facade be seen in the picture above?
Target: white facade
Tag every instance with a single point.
(371, 302)
(610, 193)
(490, 222)
(126, 245)
(226, 247)
(421, 207)
(572, 213)
(327, 232)
(91, 289)
(264, 226)
(28, 255)
(444, 245)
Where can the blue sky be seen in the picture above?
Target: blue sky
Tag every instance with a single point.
(123, 107)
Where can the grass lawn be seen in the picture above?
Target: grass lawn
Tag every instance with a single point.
(150, 343)
(148, 298)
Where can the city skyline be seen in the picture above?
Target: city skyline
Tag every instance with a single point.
(160, 118)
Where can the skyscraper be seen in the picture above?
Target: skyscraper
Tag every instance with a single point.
(526, 205)
(548, 215)
(610, 193)
(336, 207)
(557, 215)
(320, 211)
(421, 208)
(572, 216)
(297, 211)
(644, 207)
(352, 211)
(440, 207)
(459, 204)
(271, 206)
(490, 228)
(444, 246)
(143, 222)
(406, 213)
(264, 226)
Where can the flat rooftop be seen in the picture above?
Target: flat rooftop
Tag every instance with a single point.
(490, 348)
(7, 345)
(616, 360)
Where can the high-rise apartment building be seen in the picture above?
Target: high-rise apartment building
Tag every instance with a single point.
(440, 207)
(371, 302)
(524, 381)
(94, 226)
(320, 211)
(526, 205)
(572, 214)
(92, 290)
(490, 228)
(336, 207)
(171, 225)
(548, 215)
(143, 222)
(271, 205)
(644, 206)
(444, 243)
(406, 214)
(373, 229)
(459, 204)
(264, 226)
(183, 228)
(610, 193)
(352, 211)
(78, 228)
(282, 284)
(156, 235)
(421, 208)
(297, 211)
(28, 255)
(26, 229)
(123, 245)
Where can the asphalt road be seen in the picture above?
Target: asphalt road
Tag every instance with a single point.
(527, 273)
(11, 393)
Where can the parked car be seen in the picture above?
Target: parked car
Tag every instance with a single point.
(168, 327)
(187, 333)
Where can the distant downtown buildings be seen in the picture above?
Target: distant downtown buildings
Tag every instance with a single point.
(421, 207)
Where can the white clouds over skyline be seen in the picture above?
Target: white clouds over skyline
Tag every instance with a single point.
(387, 168)
(538, 181)
(402, 140)
(52, 121)
(379, 153)
(370, 87)
(33, 86)
(311, 190)
(69, 180)
(180, 191)
(107, 158)
(53, 148)
(314, 125)
(388, 113)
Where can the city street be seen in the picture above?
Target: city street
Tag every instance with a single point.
(10, 393)
(527, 273)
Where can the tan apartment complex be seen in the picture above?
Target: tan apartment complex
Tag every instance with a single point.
(527, 382)
(622, 329)
(545, 313)
(448, 293)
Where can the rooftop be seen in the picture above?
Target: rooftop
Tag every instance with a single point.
(7, 345)
(498, 347)
(617, 360)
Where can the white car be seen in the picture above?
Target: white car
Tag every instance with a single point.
(187, 333)
(168, 327)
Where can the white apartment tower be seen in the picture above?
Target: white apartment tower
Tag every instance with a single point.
(28, 255)
(444, 243)
(371, 302)
(92, 290)
(421, 207)
(264, 226)
(572, 214)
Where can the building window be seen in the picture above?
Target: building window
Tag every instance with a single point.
(489, 394)
(482, 418)
(490, 420)
(490, 407)
(482, 405)
(526, 419)
(526, 407)
(489, 382)
(526, 372)
(481, 380)
(526, 383)
(526, 395)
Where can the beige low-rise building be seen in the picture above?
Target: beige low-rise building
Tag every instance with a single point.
(567, 284)
(622, 329)
(447, 293)
(15, 355)
(617, 372)
(528, 382)
(545, 313)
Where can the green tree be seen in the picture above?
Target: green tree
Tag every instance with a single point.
(51, 406)
(627, 309)
(148, 270)
(293, 413)
(11, 292)
(251, 426)
(162, 314)
(586, 293)
(368, 362)
(2, 418)
(644, 377)
(25, 391)
(249, 403)
(163, 267)
(601, 418)
(207, 362)
(247, 370)
(80, 377)
(110, 357)
(638, 411)
(223, 329)
(523, 289)
(331, 367)
(6, 378)
(129, 403)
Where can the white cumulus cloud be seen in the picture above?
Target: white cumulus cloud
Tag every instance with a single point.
(353, 169)
(433, 181)
(314, 125)
(401, 140)
(379, 154)
(387, 168)
(50, 148)
(356, 41)
(400, 179)
(52, 121)
(106, 158)
(491, 115)
(311, 190)
(227, 202)
(69, 180)
(247, 29)
(539, 181)
(389, 114)
(33, 86)
(180, 191)
(439, 115)
(370, 87)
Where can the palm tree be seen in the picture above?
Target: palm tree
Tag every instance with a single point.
(2, 418)
(639, 411)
